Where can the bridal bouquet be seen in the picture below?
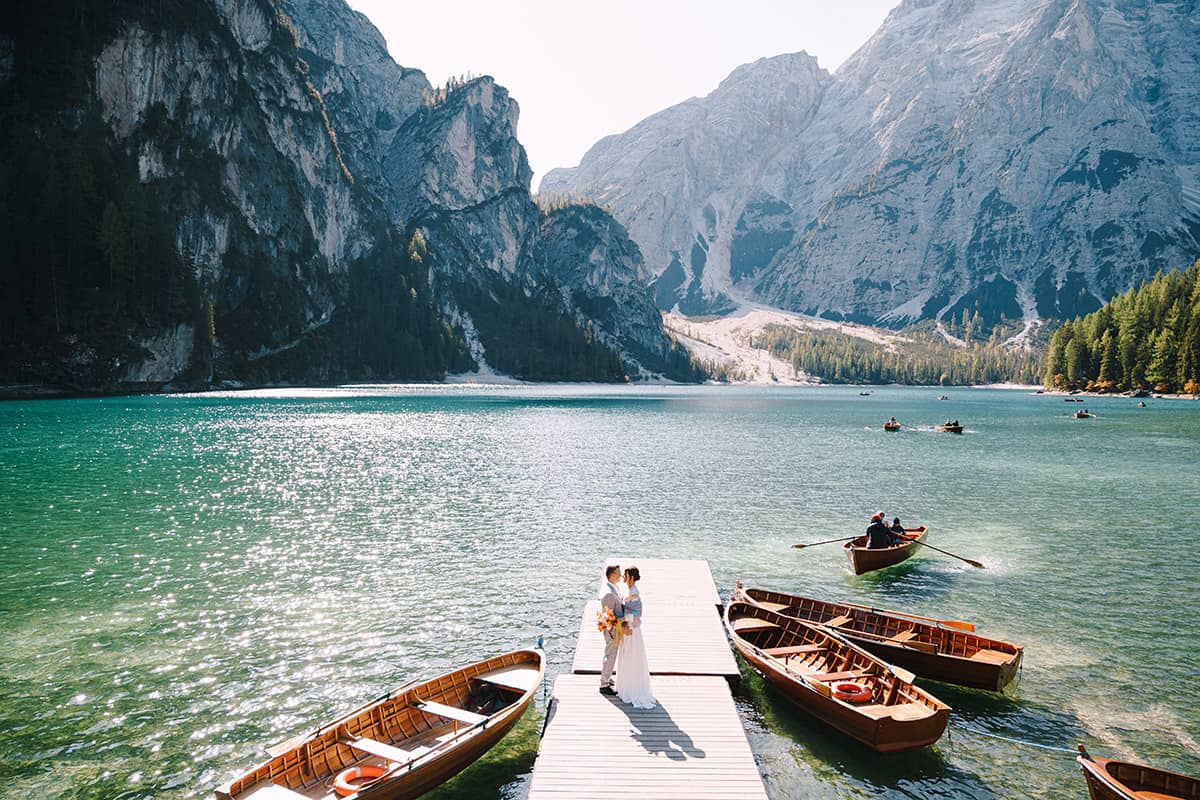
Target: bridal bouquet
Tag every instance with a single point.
(606, 621)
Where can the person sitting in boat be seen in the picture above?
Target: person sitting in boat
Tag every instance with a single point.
(897, 531)
(878, 533)
(955, 423)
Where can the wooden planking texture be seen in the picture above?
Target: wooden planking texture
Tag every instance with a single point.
(690, 746)
(667, 580)
(681, 639)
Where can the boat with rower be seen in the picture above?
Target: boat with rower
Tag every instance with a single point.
(1085, 414)
(942, 650)
(867, 559)
(949, 428)
(1108, 779)
(891, 425)
(404, 743)
(837, 682)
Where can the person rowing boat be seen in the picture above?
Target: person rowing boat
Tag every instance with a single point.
(879, 535)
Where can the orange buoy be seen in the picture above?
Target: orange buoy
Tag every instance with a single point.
(852, 692)
(348, 780)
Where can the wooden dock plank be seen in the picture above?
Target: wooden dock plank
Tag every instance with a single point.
(681, 639)
(666, 580)
(690, 746)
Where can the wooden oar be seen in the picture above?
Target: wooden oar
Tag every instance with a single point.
(962, 625)
(827, 541)
(972, 562)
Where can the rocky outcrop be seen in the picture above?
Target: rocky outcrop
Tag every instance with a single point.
(1023, 158)
(270, 197)
(601, 274)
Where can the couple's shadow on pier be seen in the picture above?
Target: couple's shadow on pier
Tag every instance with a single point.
(658, 733)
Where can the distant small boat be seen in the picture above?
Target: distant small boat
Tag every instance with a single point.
(943, 397)
(413, 739)
(1083, 415)
(948, 428)
(937, 649)
(868, 559)
(838, 683)
(1141, 404)
(1120, 780)
(891, 426)
(1040, 391)
(864, 394)
(1072, 399)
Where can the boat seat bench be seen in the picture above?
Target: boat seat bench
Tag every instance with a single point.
(826, 677)
(901, 712)
(991, 656)
(381, 749)
(451, 712)
(903, 636)
(838, 621)
(265, 790)
(785, 652)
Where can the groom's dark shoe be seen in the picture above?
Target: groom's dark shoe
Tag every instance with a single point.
(607, 690)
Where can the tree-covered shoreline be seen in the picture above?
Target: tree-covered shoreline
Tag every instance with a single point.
(1147, 338)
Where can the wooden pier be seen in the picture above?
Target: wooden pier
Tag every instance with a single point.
(691, 745)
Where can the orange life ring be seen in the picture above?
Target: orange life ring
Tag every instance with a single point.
(852, 692)
(347, 780)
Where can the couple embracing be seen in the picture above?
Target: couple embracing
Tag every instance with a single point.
(624, 648)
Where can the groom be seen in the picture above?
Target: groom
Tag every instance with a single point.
(610, 598)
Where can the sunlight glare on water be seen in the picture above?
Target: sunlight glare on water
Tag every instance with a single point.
(185, 580)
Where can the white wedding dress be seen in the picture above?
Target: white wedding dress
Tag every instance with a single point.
(633, 671)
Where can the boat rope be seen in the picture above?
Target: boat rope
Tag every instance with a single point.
(1054, 748)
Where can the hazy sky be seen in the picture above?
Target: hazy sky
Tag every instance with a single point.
(581, 71)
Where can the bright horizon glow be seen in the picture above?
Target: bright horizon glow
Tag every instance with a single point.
(580, 73)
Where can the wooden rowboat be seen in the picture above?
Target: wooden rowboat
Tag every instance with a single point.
(812, 667)
(1084, 415)
(1120, 780)
(865, 559)
(414, 738)
(948, 428)
(891, 426)
(921, 645)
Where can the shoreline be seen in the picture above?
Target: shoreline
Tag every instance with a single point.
(34, 391)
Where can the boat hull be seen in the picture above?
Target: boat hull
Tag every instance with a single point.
(902, 716)
(1120, 780)
(423, 733)
(994, 665)
(864, 559)
(959, 671)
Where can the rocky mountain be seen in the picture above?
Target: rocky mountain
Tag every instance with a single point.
(247, 191)
(1025, 159)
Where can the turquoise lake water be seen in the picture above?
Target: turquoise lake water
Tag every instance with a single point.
(187, 579)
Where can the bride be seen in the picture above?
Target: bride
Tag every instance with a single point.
(633, 672)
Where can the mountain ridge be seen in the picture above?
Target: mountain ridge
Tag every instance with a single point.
(1024, 159)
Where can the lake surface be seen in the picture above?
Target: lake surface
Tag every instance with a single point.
(187, 579)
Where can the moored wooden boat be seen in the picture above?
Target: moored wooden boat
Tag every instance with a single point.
(891, 426)
(1108, 779)
(865, 559)
(920, 645)
(815, 670)
(948, 428)
(410, 740)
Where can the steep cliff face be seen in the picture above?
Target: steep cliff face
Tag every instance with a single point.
(1023, 158)
(678, 179)
(602, 276)
(239, 190)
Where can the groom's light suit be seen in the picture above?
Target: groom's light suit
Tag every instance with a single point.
(610, 598)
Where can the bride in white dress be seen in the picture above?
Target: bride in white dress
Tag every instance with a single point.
(633, 672)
